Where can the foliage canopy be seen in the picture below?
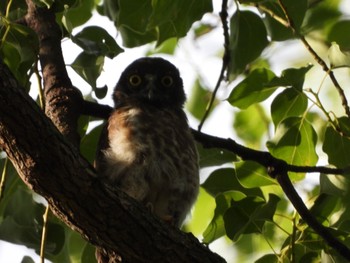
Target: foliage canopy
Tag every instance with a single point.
(297, 110)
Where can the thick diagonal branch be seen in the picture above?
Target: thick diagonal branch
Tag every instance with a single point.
(52, 167)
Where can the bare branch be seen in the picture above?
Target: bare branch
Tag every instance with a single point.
(225, 62)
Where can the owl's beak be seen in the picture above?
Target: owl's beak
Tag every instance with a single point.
(150, 86)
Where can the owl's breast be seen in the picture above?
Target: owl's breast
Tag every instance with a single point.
(155, 142)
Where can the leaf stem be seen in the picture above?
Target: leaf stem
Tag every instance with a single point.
(44, 234)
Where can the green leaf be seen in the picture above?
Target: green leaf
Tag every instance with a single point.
(251, 174)
(289, 103)
(214, 156)
(333, 185)
(337, 58)
(19, 50)
(216, 228)
(223, 180)
(295, 9)
(132, 18)
(248, 38)
(175, 18)
(295, 142)
(96, 41)
(337, 146)
(339, 33)
(198, 100)
(88, 254)
(249, 215)
(167, 47)
(268, 258)
(76, 14)
(89, 143)
(291, 77)
(251, 125)
(322, 15)
(252, 89)
(89, 67)
(201, 214)
(276, 30)
(324, 206)
(27, 259)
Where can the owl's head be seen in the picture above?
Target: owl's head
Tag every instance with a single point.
(150, 80)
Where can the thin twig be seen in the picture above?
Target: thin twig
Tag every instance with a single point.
(318, 59)
(225, 61)
(44, 234)
(3, 178)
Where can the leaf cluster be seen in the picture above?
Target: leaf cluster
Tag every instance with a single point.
(289, 111)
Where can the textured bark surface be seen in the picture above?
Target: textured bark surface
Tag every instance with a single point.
(52, 167)
(62, 99)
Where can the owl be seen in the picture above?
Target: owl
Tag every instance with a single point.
(146, 148)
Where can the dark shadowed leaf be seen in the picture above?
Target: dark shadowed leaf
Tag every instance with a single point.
(337, 146)
(252, 89)
(249, 215)
(96, 41)
(175, 18)
(223, 180)
(89, 67)
(248, 38)
(339, 32)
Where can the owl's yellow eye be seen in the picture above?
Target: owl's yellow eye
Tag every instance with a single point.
(167, 81)
(135, 80)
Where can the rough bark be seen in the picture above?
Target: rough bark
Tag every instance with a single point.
(52, 167)
(62, 99)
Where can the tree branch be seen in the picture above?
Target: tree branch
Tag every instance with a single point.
(278, 169)
(52, 167)
(61, 98)
(225, 61)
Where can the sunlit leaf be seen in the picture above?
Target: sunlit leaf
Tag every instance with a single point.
(201, 214)
(198, 100)
(337, 58)
(289, 103)
(251, 125)
(251, 174)
(295, 142)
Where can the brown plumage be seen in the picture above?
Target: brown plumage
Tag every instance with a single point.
(147, 149)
